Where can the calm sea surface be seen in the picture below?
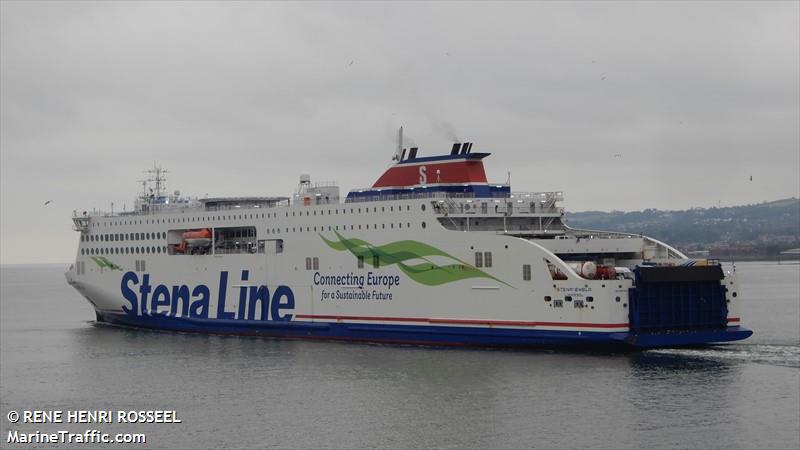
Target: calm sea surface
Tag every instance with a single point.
(233, 392)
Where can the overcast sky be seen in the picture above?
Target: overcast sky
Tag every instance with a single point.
(240, 98)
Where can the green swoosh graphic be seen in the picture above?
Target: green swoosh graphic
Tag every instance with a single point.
(400, 252)
(103, 262)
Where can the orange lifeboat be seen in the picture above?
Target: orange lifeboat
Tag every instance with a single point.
(194, 239)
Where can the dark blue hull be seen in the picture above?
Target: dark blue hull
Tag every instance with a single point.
(429, 334)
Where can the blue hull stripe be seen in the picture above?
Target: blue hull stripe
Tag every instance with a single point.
(426, 334)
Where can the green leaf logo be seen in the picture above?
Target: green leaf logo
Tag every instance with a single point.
(403, 253)
(102, 262)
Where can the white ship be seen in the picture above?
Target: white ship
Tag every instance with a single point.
(432, 253)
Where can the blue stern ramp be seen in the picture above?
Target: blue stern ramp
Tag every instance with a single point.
(679, 305)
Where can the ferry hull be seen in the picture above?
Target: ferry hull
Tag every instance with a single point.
(427, 334)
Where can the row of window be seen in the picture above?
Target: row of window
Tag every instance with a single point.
(124, 250)
(343, 227)
(185, 219)
(352, 211)
(113, 237)
(274, 215)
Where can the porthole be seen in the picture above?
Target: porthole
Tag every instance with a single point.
(423, 224)
(423, 206)
(617, 299)
(547, 298)
(733, 295)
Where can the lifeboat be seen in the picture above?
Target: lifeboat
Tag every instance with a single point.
(194, 239)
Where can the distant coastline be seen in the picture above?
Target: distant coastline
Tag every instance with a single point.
(737, 233)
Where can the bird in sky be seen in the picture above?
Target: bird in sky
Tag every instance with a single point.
(617, 155)
(50, 201)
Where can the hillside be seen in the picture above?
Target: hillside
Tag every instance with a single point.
(759, 230)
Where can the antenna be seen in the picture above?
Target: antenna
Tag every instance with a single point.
(144, 188)
(158, 176)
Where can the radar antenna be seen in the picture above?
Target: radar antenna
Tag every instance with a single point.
(157, 176)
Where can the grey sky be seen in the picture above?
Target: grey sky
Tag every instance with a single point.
(239, 98)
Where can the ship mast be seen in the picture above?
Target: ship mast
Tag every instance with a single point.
(156, 175)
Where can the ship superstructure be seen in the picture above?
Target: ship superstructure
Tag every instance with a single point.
(431, 253)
